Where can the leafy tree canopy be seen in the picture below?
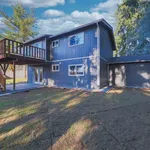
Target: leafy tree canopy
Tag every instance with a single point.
(19, 26)
(133, 27)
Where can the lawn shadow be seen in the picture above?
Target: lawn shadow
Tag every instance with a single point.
(60, 119)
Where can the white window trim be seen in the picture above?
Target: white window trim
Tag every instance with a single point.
(55, 66)
(76, 75)
(53, 42)
(74, 35)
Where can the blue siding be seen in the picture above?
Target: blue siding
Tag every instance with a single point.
(106, 49)
(66, 52)
(46, 73)
(62, 78)
(30, 74)
(130, 74)
(106, 52)
(85, 54)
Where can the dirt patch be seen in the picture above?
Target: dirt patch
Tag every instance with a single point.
(63, 119)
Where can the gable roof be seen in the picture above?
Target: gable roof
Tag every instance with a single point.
(130, 59)
(37, 38)
(101, 22)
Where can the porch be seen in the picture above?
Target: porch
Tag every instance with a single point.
(20, 87)
(15, 53)
(11, 50)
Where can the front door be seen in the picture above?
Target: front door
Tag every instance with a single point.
(38, 75)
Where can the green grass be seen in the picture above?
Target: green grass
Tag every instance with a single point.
(18, 80)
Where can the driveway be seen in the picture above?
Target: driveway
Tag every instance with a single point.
(62, 119)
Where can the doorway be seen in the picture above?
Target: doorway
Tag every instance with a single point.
(38, 75)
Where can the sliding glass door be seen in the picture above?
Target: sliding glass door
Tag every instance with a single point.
(38, 75)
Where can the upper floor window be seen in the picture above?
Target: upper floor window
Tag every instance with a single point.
(76, 39)
(40, 44)
(55, 67)
(55, 43)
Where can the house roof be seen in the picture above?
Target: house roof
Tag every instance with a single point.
(100, 21)
(37, 38)
(129, 59)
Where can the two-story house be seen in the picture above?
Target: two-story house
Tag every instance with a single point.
(79, 58)
(76, 58)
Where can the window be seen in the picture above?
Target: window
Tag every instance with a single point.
(76, 70)
(76, 39)
(40, 44)
(55, 68)
(55, 43)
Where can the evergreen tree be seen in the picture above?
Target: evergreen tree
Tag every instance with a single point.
(143, 32)
(19, 26)
(131, 15)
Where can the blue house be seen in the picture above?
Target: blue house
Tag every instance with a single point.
(79, 58)
(75, 59)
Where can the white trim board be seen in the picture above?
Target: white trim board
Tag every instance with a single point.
(98, 56)
(103, 59)
(86, 57)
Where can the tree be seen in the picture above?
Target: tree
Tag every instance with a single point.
(130, 15)
(143, 30)
(19, 26)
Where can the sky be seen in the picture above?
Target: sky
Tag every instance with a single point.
(56, 16)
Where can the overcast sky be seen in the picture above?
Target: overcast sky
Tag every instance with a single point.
(55, 16)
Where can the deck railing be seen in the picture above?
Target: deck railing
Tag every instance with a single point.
(10, 47)
(1, 49)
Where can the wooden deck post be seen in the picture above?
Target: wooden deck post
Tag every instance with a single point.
(4, 68)
(14, 76)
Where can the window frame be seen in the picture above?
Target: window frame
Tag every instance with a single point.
(54, 42)
(77, 75)
(55, 66)
(74, 35)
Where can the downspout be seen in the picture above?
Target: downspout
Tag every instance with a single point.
(98, 55)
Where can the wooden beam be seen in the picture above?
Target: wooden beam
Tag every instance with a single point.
(6, 67)
(2, 67)
(14, 76)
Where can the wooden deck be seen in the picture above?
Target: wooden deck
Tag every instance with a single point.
(11, 50)
(16, 53)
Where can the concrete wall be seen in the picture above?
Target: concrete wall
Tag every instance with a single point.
(130, 74)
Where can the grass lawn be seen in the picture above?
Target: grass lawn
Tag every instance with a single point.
(62, 119)
(18, 80)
